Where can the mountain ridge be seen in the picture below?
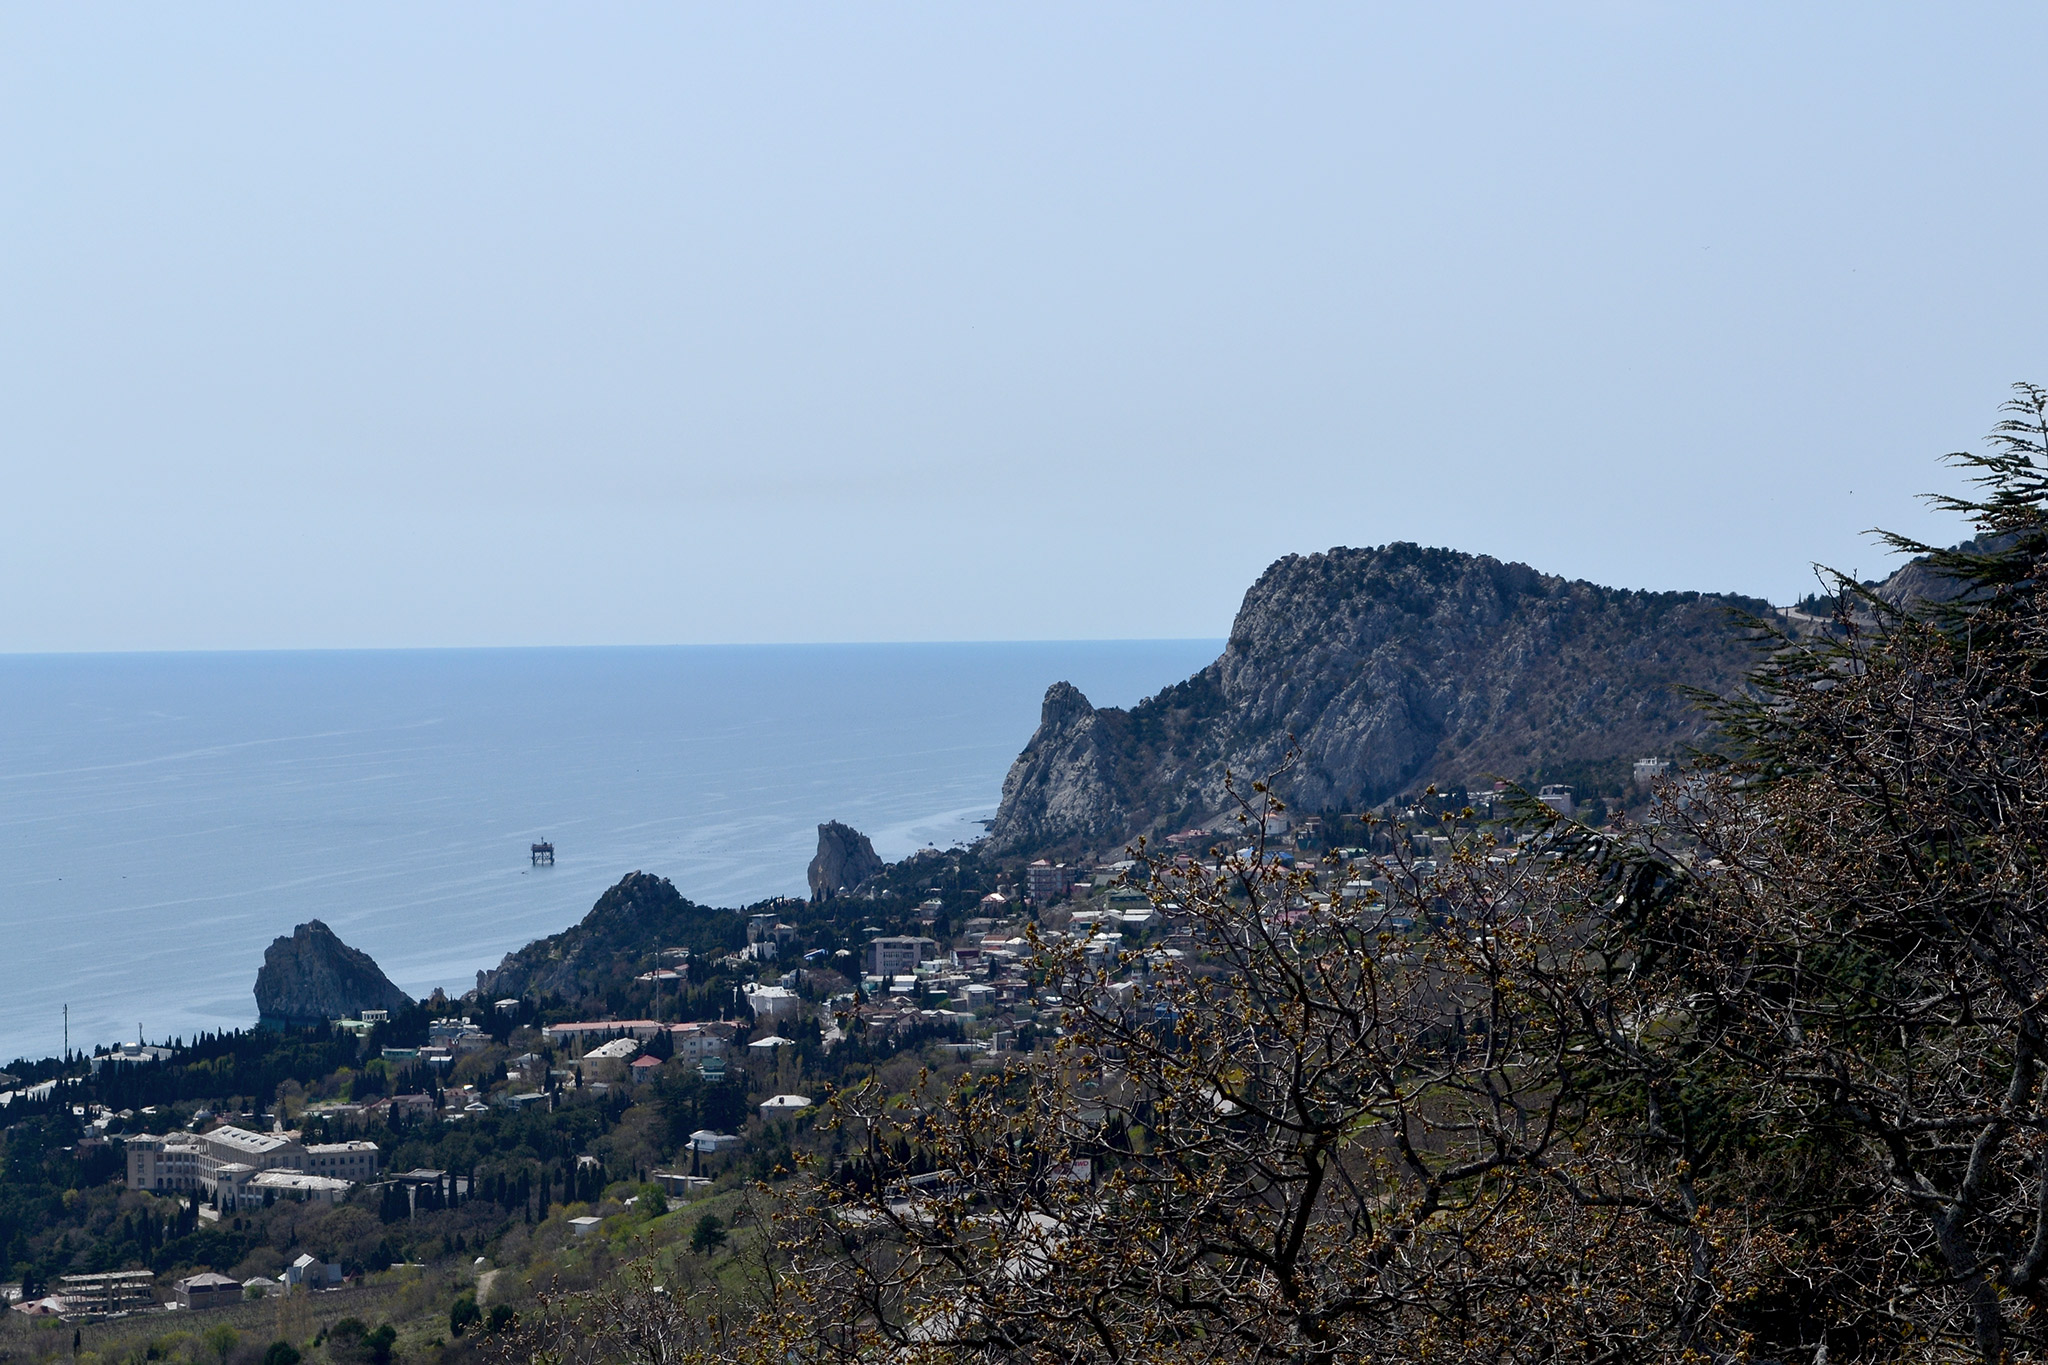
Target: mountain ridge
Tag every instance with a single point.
(1381, 669)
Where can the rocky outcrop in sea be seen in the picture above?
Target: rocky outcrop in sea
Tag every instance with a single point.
(312, 977)
(843, 861)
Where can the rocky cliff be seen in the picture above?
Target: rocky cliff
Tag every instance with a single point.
(1388, 668)
(1920, 583)
(313, 976)
(618, 939)
(843, 861)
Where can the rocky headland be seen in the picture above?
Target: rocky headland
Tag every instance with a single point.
(1386, 669)
(312, 976)
(1381, 670)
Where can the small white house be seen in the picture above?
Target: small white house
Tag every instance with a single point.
(584, 1226)
(681, 1184)
(709, 1143)
(312, 1272)
(773, 1002)
(784, 1106)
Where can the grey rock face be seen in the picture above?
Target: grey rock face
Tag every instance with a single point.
(1384, 669)
(1067, 785)
(313, 976)
(844, 860)
(1918, 584)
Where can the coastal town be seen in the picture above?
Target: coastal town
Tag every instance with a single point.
(417, 1130)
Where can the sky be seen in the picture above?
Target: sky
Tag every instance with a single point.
(465, 324)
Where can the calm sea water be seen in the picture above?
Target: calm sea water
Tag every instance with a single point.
(163, 817)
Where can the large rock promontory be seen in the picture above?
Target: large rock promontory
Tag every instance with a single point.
(1384, 669)
(313, 976)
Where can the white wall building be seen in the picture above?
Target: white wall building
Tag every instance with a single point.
(773, 1002)
(270, 1186)
(709, 1143)
(129, 1054)
(311, 1272)
(784, 1106)
(224, 1162)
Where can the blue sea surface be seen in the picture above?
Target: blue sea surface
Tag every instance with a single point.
(164, 816)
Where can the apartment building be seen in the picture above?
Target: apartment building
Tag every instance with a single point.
(1045, 881)
(695, 1042)
(357, 1161)
(899, 955)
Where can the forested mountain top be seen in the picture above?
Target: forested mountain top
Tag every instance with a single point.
(631, 922)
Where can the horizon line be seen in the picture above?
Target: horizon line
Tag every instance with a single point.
(142, 651)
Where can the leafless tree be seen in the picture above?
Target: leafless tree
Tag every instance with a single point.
(1329, 1130)
(1757, 1080)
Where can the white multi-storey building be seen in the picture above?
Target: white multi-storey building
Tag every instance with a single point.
(772, 1002)
(222, 1163)
(357, 1161)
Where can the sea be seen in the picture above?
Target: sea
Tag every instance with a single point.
(163, 817)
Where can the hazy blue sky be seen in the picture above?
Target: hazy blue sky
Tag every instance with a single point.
(464, 324)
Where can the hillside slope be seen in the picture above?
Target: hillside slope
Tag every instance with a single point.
(1389, 667)
(631, 922)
